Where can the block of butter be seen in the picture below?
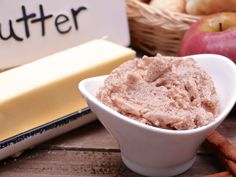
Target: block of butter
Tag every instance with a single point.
(46, 89)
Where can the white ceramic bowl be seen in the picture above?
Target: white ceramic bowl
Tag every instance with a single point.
(152, 151)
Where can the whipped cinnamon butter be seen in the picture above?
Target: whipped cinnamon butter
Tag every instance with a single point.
(166, 92)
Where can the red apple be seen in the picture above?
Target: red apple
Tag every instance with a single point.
(213, 34)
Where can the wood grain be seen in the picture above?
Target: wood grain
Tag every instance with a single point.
(80, 163)
(93, 136)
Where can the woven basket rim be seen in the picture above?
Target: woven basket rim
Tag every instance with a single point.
(144, 12)
(156, 30)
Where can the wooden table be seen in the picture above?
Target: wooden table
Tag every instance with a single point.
(90, 151)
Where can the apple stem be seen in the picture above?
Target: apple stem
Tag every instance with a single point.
(220, 27)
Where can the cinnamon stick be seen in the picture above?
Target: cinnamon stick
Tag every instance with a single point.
(222, 145)
(230, 165)
(224, 150)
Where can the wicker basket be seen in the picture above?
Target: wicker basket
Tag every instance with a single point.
(156, 31)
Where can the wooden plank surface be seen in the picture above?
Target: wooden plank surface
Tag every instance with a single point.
(93, 136)
(90, 151)
(83, 163)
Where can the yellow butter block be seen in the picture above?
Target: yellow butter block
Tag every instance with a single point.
(44, 90)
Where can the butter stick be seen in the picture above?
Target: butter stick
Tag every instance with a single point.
(46, 89)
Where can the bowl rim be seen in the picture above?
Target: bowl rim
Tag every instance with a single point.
(100, 105)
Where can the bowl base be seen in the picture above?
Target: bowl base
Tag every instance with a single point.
(154, 172)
